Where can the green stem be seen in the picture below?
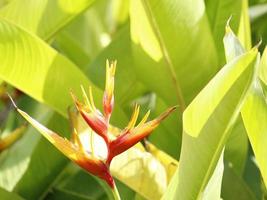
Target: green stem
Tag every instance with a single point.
(116, 193)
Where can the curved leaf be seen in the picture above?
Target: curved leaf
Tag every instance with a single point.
(44, 17)
(254, 114)
(49, 75)
(255, 105)
(211, 116)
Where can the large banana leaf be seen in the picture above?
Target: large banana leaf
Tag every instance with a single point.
(162, 46)
(210, 117)
(44, 17)
(254, 109)
(35, 68)
(254, 113)
(244, 32)
(236, 147)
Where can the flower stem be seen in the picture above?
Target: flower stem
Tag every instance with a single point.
(116, 193)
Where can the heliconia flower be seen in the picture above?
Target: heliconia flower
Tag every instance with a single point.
(74, 150)
(12, 137)
(100, 122)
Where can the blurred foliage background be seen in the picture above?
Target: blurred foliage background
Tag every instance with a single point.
(167, 51)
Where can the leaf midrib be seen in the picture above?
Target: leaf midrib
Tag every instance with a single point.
(165, 53)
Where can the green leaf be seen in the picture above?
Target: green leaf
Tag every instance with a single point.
(252, 175)
(67, 46)
(8, 195)
(255, 105)
(68, 184)
(208, 102)
(83, 39)
(219, 12)
(120, 11)
(263, 67)
(13, 167)
(43, 170)
(49, 75)
(244, 33)
(234, 187)
(236, 148)
(210, 117)
(44, 17)
(213, 188)
(167, 136)
(258, 16)
(254, 113)
(162, 46)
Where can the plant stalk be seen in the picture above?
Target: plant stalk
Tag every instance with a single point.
(116, 193)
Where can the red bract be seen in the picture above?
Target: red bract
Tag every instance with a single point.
(130, 136)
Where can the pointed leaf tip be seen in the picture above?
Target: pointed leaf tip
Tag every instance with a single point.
(227, 27)
(258, 44)
(12, 101)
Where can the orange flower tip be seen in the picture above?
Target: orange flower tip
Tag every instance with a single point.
(74, 98)
(166, 113)
(76, 101)
(134, 117)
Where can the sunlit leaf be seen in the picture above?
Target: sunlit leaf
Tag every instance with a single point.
(256, 105)
(162, 46)
(213, 188)
(212, 130)
(208, 102)
(244, 32)
(49, 75)
(46, 17)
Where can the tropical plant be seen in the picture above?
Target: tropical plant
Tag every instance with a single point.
(207, 57)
